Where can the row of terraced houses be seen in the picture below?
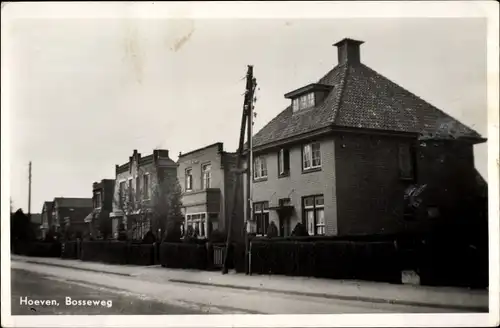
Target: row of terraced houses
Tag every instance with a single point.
(353, 153)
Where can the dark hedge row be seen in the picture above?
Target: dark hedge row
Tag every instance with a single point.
(184, 256)
(118, 252)
(373, 261)
(37, 248)
(70, 250)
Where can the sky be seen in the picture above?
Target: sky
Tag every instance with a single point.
(84, 93)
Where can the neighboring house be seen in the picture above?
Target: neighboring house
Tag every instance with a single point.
(207, 176)
(138, 182)
(36, 224)
(341, 158)
(68, 214)
(47, 222)
(98, 220)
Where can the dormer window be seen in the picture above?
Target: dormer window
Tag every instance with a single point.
(303, 102)
(309, 96)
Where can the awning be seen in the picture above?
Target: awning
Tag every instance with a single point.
(283, 209)
(92, 215)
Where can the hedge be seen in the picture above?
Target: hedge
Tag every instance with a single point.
(184, 256)
(70, 250)
(37, 248)
(375, 261)
(118, 252)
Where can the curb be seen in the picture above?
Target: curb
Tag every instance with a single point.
(77, 268)
(470, 308)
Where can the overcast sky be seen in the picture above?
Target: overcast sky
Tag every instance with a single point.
(85, 93)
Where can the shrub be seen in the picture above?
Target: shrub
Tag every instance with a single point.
(300, 230)
(173, 232)
(272, 230)
(37, 248)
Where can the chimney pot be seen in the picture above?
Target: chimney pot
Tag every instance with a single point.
(348, 51)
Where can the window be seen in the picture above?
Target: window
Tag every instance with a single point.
(314, 214)
(205, 169)
(122, 193)
(145, 188)
(97, 200)
(189, 179)
(406, 161)
(260, 168)
(283, 162)
(303, 102)
(130, 190)
(199, 224)
(311, 156)
(261, 217)
(138, 188)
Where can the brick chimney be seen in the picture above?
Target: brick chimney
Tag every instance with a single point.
(348, 51)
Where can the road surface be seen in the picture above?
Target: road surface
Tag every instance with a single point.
(131, 295)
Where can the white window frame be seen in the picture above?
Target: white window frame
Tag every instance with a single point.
(206, 175)
(146, 191)
(281, 161)
(188, 177)
(295, 104)
(308, 156)
(261, 213)
(121, 195)
(260, 168)
(319, 228)
(98, 195)
(199, 220)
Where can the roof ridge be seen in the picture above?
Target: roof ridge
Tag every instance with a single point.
(343, 83)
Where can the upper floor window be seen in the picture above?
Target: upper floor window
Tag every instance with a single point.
(122, 193)
(189, 179)
(259, 168)
(206, 175)
(130, 190)
(406, 161)
(314, 214)
(145, 188)
(138, 188)
(311, 156)
(283, 162)
(97, 200)
(303, 102)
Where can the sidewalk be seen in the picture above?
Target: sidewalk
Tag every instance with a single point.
(438, 297)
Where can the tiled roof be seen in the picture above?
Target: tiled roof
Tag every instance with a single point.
(363, 98)
(73, 202)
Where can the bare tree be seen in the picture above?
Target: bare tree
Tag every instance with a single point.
(150, 209)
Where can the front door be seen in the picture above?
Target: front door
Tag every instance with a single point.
(284, 222)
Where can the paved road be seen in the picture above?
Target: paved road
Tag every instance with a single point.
(31, 286)
(133, 295)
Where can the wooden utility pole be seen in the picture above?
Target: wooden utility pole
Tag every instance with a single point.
(246, 120)
(29, 192)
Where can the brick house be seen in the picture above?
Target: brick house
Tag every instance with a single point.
(68, 214)
(102, 203)
(47, 222)
(207, 178)
(355, 153)
(137, 183)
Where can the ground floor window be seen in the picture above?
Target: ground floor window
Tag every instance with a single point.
(261, 217)
(314, 214)
(197, 223)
